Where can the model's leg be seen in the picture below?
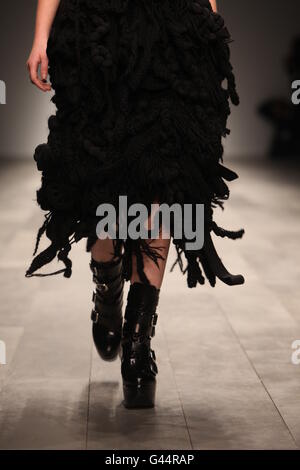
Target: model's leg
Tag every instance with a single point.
(108, 299)
(154, 272)
(102, 250)
(139, 367)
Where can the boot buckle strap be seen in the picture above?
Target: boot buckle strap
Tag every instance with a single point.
(150, 330)
(152, 354)
(111, 271)
(152, 325)
(94, 270)
(101, 287)
(95, 316)
(95, 295)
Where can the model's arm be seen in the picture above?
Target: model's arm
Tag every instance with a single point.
(214, 4)
(46, 11)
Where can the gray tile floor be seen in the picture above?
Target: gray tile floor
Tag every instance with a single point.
(226, 377)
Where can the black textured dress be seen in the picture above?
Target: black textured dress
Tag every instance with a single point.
(142, 90)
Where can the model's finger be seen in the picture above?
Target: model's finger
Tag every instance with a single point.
(44, 68)
(44, 73)
(33, 68)
(35, 80)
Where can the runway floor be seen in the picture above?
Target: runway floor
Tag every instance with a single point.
(226, 378)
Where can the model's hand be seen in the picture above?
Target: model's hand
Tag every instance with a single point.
(38, 61)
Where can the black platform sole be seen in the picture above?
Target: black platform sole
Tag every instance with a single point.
(139, 394)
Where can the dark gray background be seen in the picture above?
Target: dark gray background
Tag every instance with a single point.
(262, 31)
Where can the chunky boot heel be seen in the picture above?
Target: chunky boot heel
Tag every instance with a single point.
(139, 394)
(107, 312)
(138, 362)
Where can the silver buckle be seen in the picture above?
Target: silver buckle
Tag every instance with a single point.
(152, 324)
(102, 288)
(94, 316)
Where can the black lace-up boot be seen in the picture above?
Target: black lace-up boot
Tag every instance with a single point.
(138, 366)
(107, 312)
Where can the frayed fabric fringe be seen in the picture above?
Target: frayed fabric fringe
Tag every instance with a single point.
(142, 108)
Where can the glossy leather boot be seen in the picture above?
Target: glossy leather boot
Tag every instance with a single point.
(138, 365)
(107, 312)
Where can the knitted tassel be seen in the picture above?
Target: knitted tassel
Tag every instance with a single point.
(63, 256)
(41, 231)
(43, 258)
(194, 273)
(221, 232)
(209, 272)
